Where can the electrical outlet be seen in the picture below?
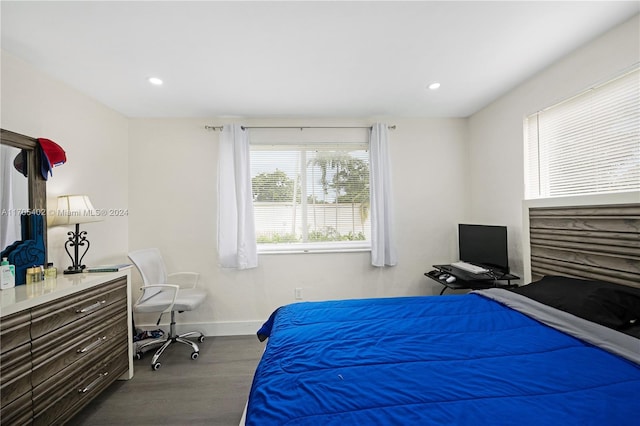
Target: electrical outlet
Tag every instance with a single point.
(297, 293)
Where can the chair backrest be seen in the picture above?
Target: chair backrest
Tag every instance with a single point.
(150, 264)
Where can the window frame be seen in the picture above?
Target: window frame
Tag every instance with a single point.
(587, 118)
(306, 246)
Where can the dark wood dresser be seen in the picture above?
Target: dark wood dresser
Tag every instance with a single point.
(62, 342)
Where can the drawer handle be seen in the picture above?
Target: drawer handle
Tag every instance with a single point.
(92, 384)
(93, 307)
(93, 345)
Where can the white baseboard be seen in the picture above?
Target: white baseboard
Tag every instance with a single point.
(225, 328)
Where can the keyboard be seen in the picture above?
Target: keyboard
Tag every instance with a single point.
(469, 267)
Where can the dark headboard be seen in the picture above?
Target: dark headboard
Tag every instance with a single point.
(592, 242)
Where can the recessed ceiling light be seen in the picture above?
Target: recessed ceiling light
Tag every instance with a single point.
(155, 81)
(434, 86)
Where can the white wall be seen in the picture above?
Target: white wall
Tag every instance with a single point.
(496, 178)
(95, 141)
(164, 172)
(172, 184)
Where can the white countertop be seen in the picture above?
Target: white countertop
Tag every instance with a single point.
(27, 296)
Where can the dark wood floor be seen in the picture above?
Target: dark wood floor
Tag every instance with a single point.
(211, 390)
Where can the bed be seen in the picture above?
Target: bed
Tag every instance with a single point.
(564, 349)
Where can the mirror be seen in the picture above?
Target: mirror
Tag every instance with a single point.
(14, 193)
(20, 193)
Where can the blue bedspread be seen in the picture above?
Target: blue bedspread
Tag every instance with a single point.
(454, 360)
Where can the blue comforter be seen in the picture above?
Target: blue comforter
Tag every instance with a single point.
(453, 360)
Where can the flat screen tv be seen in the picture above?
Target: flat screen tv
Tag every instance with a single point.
(484, 245)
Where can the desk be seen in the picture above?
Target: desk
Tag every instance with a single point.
(468, 281)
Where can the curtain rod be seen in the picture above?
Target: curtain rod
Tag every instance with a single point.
(392, 127)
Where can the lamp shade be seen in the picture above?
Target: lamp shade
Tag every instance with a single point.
(74, 209)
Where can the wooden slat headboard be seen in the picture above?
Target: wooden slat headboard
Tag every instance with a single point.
(591, 242)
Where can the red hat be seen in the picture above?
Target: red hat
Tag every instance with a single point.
(20, 162)
(52, 155)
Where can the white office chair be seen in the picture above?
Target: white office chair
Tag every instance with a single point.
(166, 293)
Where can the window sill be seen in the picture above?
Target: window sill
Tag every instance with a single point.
(345, 247)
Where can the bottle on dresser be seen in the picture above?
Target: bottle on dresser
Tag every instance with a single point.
(7, 274)
(50, 271)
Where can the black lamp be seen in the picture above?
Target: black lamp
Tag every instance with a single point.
(74, 210)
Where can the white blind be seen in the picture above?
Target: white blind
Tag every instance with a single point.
(588, 144)
(311, 196)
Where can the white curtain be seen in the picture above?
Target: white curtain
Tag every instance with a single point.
(383, 249)
(236, 228)
(10, 219)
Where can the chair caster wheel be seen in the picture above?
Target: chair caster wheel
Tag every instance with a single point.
(156, 366)
(195, 355)
(201, 339)
(138, 356)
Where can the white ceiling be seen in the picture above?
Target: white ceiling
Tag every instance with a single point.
(300, 59)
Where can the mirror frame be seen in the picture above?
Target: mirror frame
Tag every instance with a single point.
(36, 183)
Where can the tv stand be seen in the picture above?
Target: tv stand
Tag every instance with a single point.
(468, 281)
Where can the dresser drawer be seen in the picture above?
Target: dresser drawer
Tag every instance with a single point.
(68, 344)
(15, 374)
(50, 316)
(15, 369)
(14, 330)
(57, 399)
(19, 412)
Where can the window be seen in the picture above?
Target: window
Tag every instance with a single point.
(311, 196)
(589, 144)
